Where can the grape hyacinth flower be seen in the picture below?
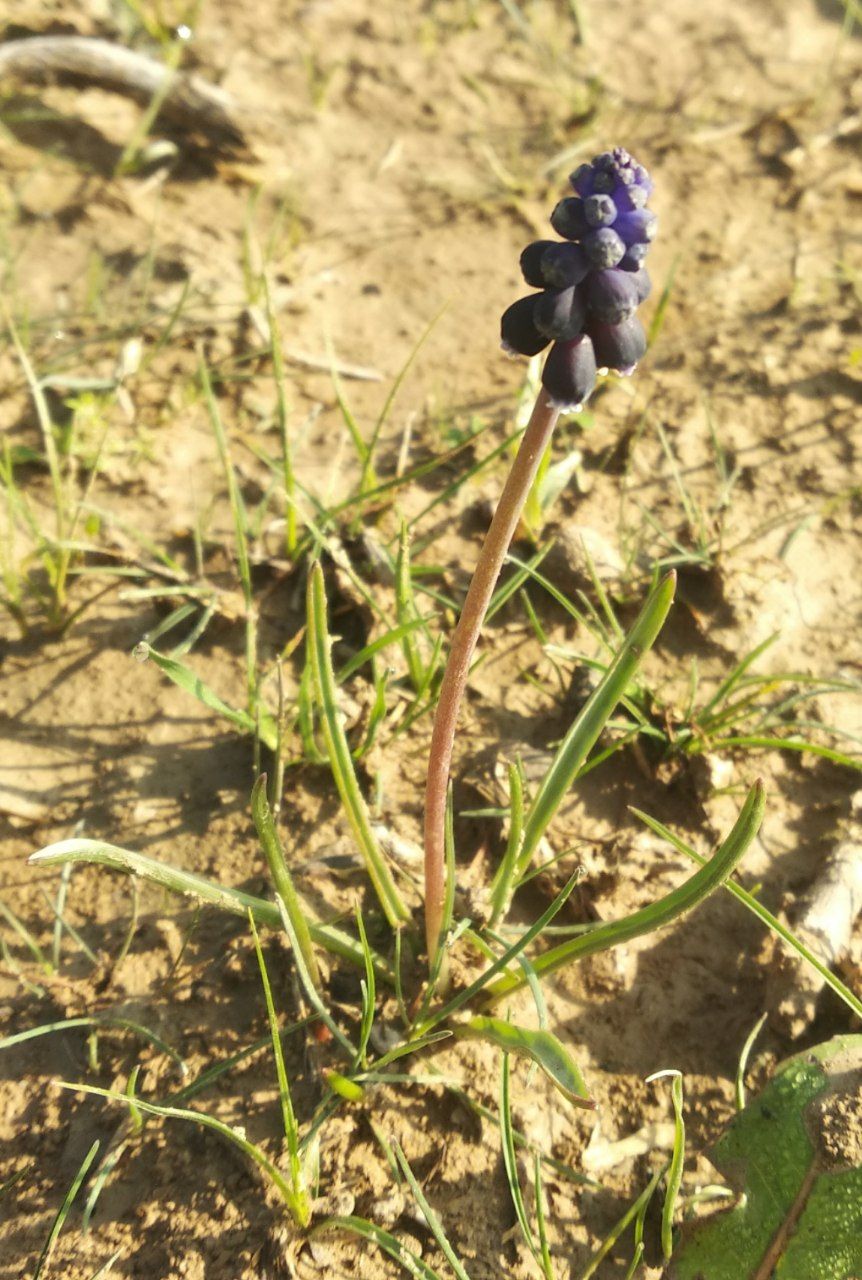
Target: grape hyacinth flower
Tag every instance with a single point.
(589, 286)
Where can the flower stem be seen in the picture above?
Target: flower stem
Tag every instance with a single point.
(497, 540)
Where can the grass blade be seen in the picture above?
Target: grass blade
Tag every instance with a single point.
(844, 993)
(657, 914)
(338, 749)
(434, 1224)
(270, 842)
(674, 1173)
(63, 1211)
(585, 731)
(301, 1205)
(406, 1258)
(208, 891)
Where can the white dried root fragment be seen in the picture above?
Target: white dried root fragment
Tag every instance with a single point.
(823, 920)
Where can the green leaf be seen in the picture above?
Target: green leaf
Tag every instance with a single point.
(222, 896)
(585, 731)
(185, 678)
(792, 1155)
(540, 1047)
(319, 644)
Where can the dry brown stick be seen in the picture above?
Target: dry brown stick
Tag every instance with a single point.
(187, 100)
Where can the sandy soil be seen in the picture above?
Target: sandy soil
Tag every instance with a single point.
(397, 159)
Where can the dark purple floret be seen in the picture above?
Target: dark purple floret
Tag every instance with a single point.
(568, 219)
(618, 346)
(612, 295)
(564, 264)
(637, 227)
(560, 313)
(604, 248)
(633, 258)
(582, 180)
(600, 211)
(531, 262)
(518, 330)
(569, 375)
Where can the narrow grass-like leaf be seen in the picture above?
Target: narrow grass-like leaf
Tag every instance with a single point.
(541, 1047)
(434, 1223)
(283, 416)
(502, 962)
(406, 610)
(510, 1160)
(742, 1065)
(585, 731)
(657, 914)
(637, 1208)
(207, 891)
(387, 1243)
(185, 678)
(843, 992)
(106, 1266)
(26, 937)
(240, 524)
(63, 1211)
(301, 1205)
(503, 881)
(340, 759)
(121, 1024)
(234, 1136)
(674, 1173)
(270, 842)
(311, 992)
(369, 994)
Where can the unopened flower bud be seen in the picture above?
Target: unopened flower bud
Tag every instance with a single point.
(612, 295)
(633, 258)
(604, 248)
(600, 211)
(569, 375)
(564, 264)
(518, 330)
(568, 219)
(618, 346)
(637, 227)
(531, 262)
(560, 313)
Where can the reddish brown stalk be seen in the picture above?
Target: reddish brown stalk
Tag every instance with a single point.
(497, 541)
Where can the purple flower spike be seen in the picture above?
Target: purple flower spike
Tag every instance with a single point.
(531, 262)
(560, 313)
(600, 211)
(592, 282)
(518, 331)
(564, 265)
(568, 219)
(637, 227)
(569, 375)
(612, 295)
(604, 248)
(618, 346)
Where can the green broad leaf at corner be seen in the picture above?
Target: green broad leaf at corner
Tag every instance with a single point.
(541, 1047)
(794, 1156)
